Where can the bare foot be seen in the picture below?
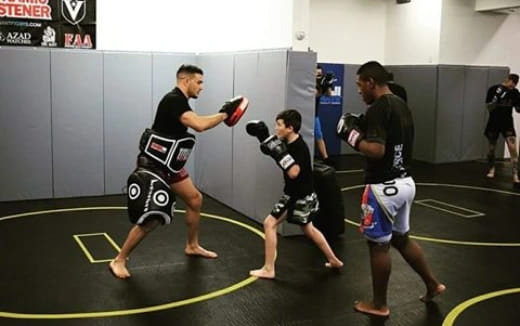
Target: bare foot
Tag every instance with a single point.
(335, 263)
(199, 251)
(118, 268)
(433, 293)
(370, 309)
(263, 273)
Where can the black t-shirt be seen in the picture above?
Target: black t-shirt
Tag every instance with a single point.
(398, 90)
(171, 107)
(504, 99)
(300, 186)
(389, 122)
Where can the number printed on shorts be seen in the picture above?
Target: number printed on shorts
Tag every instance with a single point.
(390, 191)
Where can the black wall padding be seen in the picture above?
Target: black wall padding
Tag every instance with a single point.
(330, 220)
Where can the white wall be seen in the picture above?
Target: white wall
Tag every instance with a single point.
(413, 32)
(194, 25)
(348, 31)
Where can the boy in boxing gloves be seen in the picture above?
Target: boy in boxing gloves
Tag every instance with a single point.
(299, 203)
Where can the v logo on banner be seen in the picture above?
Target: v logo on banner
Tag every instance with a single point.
(73, 10)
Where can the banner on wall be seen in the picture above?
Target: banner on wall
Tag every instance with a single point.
(48, 23)
(331, 108)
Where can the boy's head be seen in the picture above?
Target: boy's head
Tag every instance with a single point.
(288, 122)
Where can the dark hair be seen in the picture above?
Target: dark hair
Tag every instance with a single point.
(513, 78)
(319, 67)
(375, 71)
(390, 76)
(291, 118)
(189, 69)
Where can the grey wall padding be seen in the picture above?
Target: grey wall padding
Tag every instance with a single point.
(127, 95)
(352, 101)
(164, 69)
(474, 113)
(450, 103)
(25, 116)
(213, 160)
(246, 152)
(420, 83)
(77, 123)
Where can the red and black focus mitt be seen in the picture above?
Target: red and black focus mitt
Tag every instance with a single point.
(235, 109)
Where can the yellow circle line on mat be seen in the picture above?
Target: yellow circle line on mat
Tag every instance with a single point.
(455, 312)
(124, 312)
(448, 241)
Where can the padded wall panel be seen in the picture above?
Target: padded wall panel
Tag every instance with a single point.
(213, 160)
(352, 101)
(77, 123)
(474, 112)
(246, 151)
(420, 83)
(450, 103)
(127, 112)
(25, 115)
(164, 69)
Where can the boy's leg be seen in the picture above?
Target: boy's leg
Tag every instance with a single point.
(136, 234)
(414, 256)
(270, 226)
(317, 237)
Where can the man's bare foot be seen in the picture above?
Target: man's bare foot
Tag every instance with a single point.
(433, 293)
(199, 251)
(491, 173)
(370, 309)
(118, 268)
(334, 263)
(263, 273)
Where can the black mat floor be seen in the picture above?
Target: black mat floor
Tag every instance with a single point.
(54, 269)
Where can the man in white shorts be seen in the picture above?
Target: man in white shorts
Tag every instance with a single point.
(385, 136)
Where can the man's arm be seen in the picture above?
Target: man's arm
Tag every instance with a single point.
(200, 123)
(372, 149)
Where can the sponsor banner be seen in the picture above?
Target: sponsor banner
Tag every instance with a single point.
(331, 108)
(48, 23)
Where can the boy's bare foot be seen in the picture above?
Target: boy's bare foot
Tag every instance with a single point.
(370, 309)
(433, 293)
(118, 268)
(263, 273)
(199, 251)
(335, 263)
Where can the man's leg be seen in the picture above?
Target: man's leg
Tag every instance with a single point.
(414, 256)
(511, 146)
(491, 158)
(193, 200)
(317, 237)
(381, 266)
(271, 238)
(136, 234)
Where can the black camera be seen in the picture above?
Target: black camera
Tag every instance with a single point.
(324, 83)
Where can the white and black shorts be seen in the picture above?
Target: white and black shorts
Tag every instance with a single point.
(386, 209)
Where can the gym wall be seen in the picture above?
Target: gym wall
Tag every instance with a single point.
(71, 120)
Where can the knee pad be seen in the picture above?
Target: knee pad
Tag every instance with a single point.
(149, 196)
